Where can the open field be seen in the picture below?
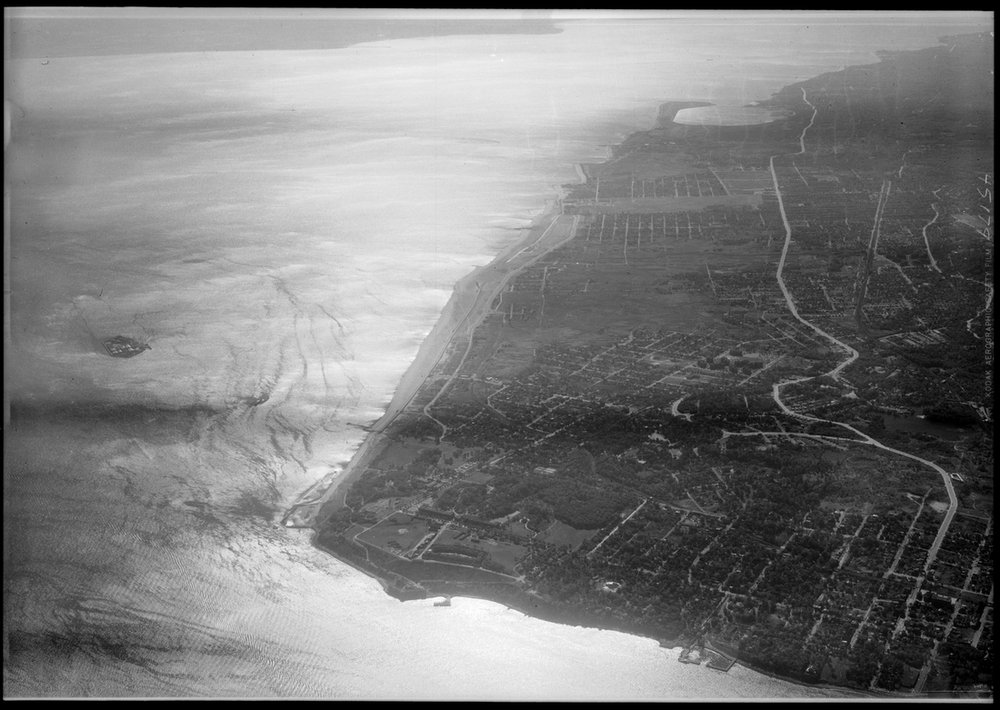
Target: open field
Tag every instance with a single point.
(399, 533)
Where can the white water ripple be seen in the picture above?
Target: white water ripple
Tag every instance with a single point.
(284, 228)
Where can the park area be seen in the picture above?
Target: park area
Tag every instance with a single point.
(397, 533)
(499, 554)
(563, 535)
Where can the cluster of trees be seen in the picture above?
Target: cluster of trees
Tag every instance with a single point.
(509, 491)
(952, 413)
(610, 467)
(336, 523)
(865, 658)
(366, 489)
(969, 666)
(392, 480)
(374, 486)
(416, 427)
(727, 404)
(891, 674)
(794, 581)
(776, 647)
(583, 506)
(421, 462)
(542, 498)
(462, 498)
(724, 363)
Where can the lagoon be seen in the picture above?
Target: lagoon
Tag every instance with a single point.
(727, 116)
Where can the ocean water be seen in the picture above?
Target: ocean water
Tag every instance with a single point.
(726, 116)
(283, 228)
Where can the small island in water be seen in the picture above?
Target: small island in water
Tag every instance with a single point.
(665, 411)
(122, 346)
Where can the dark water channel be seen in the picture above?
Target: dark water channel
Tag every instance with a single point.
(917, 425)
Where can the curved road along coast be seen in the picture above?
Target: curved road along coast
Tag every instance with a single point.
(470, 302)
(852, 356)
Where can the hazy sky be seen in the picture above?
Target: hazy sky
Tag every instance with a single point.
(90, 31)
(83, 31)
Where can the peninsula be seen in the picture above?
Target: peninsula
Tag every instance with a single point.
(732, 392)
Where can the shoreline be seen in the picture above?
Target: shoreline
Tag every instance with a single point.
(458, 319)
(680, 645)
(473, 292)
(848, 692)
(433, 348)
(459, 312)
(518, 600)
(456, 313)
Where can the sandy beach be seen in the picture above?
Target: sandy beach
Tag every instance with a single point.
(469, 303)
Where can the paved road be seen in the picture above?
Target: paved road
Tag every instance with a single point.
(485, 295)
(852, 353)
(852, 356)
(924, 232)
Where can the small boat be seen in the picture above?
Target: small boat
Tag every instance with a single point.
(445, 602)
